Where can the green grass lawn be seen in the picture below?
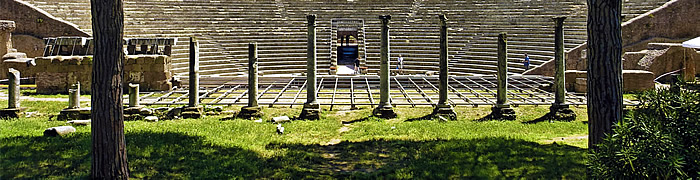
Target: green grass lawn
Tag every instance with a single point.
(367, 148)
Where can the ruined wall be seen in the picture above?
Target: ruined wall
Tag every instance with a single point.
(36, 23)
(675, 21)
(56, 74)
(632, 80)
(30, 45)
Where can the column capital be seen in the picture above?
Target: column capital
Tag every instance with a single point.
(443, 20)
(503, 34)
(7, 25)
(559, 20)
(385, 19)
(311, 18)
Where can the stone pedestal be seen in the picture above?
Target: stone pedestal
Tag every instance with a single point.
(75, 114)
(137, 113)
(502, 112)
(386, 111)
(311, 111)
(248, 112)
(445, 111)
(193, 112)
(561, 112)
(11, 113)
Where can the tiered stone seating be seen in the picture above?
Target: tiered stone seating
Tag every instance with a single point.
(225, 27)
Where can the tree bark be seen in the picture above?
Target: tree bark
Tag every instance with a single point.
(108, 145)
(604, 68)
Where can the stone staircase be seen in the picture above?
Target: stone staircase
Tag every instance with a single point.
(225, 27)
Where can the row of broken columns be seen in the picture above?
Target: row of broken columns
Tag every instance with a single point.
(311, 110)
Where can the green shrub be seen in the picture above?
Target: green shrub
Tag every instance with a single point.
(660, 140)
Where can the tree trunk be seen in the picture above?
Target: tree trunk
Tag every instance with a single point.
(108, 144)
(604, 68)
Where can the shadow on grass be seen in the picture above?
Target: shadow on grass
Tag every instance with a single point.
(180, 156)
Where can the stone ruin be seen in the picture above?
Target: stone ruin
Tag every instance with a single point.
(68, 60)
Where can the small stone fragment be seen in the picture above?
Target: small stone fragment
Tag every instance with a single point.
(442, 118)
(280, 119)
(146, 111)
(59, 131)
(280, 129)
(31, 114)
(151, 118)
(258, 121)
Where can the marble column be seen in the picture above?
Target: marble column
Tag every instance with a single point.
(443, 107)
(74, 96)
(502, 110)
(13, 109)
(384, 110)
(193, 109)
(559, 109)
(194, 73)
(134, 95)
(311, 108)
(252, 110)
(13, 89)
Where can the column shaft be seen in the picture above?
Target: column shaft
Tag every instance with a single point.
(443, 60)
(559, 84)
(74, 96)
(252, 74)
(502, 69)
(194, 73)
(13, 89)
(384, 58)
(311, 61)
(134, 95)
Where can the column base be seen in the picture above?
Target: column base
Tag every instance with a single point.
(137, 113)
(446, 111)
(384, 111)
(561, 112)
(10, 113)
(248, 112)
(502, 112)
(311, 111)
(75, 114)
(193, 112)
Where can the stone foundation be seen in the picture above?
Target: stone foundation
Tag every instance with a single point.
(55, 74)
(632, 80)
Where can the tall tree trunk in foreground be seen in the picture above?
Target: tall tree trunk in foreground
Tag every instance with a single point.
(108, 144)
(604, 68)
